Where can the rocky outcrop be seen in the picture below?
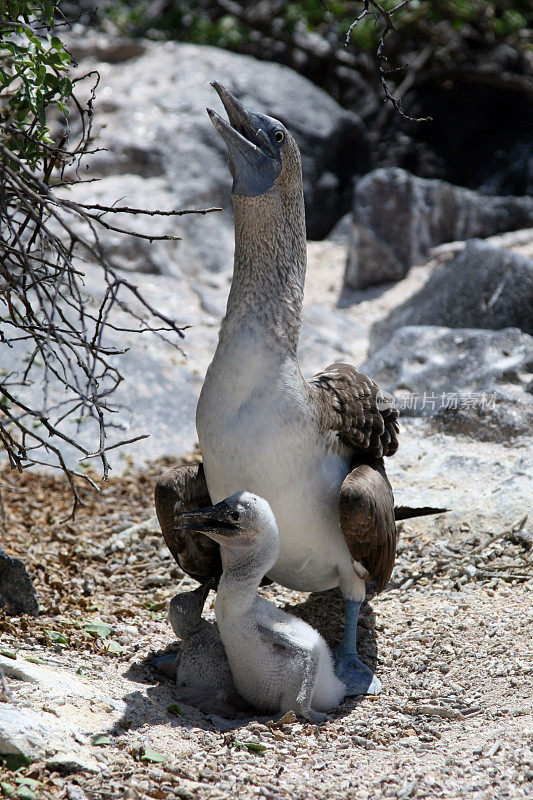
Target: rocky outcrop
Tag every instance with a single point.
(17, 594)
(482, 287)
(472, 381)
(498, 417)
(50, 724)
(398, 218)
(159, 149)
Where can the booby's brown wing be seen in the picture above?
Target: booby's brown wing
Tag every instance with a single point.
(185, 489)
(366, 516)
(351, 408)
(350, 404)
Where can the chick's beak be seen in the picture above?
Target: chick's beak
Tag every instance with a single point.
(213, 521)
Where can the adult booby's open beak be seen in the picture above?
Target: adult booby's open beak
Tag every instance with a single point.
(253, 160)
(214, 521)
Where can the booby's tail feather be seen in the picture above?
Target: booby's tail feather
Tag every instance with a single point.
(406, 512)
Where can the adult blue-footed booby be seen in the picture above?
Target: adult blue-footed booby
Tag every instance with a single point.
(313, 449)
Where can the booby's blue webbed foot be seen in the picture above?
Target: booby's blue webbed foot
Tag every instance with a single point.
(358, 678)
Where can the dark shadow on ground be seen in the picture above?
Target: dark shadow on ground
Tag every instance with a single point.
(351, 297)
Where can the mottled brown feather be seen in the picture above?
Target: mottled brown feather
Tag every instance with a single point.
(347, 402)
(185, 489)
(366, 515)
(347, 405)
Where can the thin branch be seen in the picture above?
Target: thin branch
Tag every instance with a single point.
(380, 14)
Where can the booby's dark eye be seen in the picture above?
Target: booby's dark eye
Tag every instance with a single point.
(235, 516)
(279, 136)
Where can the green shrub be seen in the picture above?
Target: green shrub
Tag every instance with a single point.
(33, 77)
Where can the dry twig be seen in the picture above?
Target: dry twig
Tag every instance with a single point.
(384, 16)
(45, 310)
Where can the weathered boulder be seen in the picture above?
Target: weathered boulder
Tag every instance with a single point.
(17, 593)
(398, 217)
(472, 381)
(482, 287)
(482, 483)
(501, 416)
(47, 713)
(160, 150)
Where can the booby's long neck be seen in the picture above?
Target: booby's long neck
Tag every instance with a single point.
(237, 589)
(269, 270)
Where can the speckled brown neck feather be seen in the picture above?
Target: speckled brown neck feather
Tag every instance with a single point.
(270, 261)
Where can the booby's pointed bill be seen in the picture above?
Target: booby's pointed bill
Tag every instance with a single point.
(215, 521)
(253, 149)
(203, 590)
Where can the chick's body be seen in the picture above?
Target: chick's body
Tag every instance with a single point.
(272, 679)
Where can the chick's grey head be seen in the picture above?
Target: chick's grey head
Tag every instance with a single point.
(243, 525)
(261, 151)
(185, 610)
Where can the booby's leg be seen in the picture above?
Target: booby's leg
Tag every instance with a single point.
(359, 678)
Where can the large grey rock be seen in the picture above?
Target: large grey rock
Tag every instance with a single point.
(17, 593)
(398, 218)
(161, 151)
(62, 738)
(472, 381)
(482, 287)
(483, 484)
(33, 734)
(499, 417)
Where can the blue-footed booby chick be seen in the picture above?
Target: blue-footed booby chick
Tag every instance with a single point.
(203, 675)
(278, 661)
(313, 449)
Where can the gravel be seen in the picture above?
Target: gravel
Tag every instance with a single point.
(450, 639)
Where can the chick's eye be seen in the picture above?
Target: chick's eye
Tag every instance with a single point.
(235, 516)
(279, 136)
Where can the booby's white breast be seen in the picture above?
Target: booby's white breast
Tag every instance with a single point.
(258, 433)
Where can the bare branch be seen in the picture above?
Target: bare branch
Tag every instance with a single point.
(43, 306)
(381, 15)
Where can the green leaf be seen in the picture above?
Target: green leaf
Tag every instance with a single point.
(40, 73)
(34, 659)
(113, 647)
(65, 87)
(56, 43)
(153, 756)
(25, 793)
(8, 654)
(31, 782)
(158, 606)
(14, 761)
(174, 708)
(253, 747)
(57, 637)
(98, 629)
(101, 740)
(7, 789)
